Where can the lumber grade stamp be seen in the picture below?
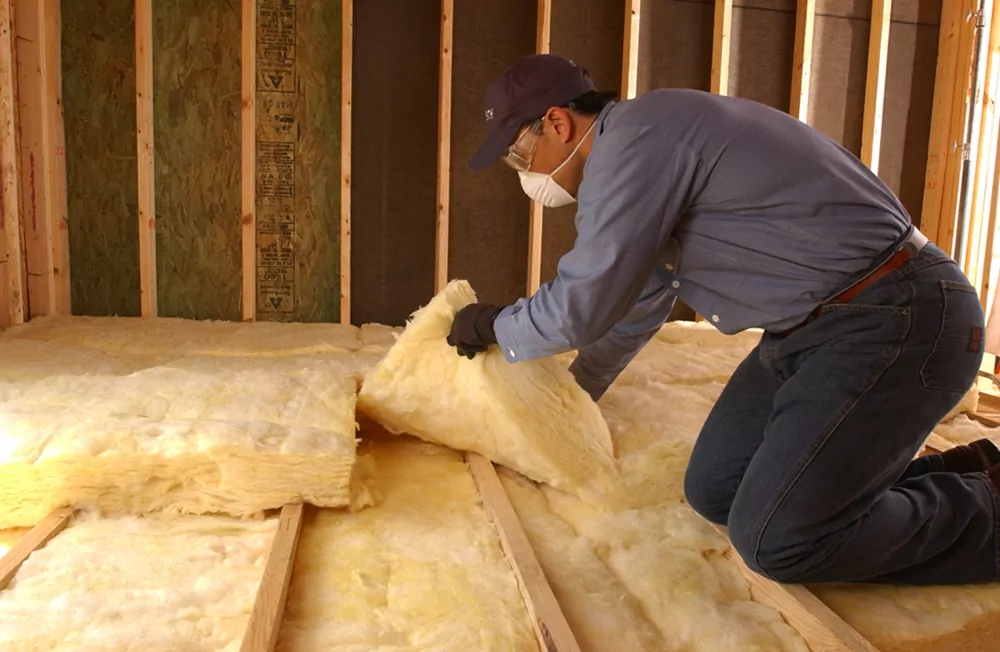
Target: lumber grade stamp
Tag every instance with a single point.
(277, 131)
(39, 535)
(551, 628)
(269, 607)
(822, 629)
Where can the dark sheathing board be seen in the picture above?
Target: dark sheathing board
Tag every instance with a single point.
(98, 72)
(590, 32)
(196, 131)
(675, 44)
(488, 243)
(761, 51)
(394, 158)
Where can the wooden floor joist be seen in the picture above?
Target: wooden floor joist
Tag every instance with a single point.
(269, 606)
(822, 629)
(39, 535)
(551, 628)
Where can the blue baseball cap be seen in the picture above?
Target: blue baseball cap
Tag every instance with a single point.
(524, 92)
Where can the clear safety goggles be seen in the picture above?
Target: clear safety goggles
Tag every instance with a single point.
(521, 152)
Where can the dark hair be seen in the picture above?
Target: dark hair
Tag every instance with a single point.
(592, 102)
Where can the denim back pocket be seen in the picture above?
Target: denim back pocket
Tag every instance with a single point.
(954, 359)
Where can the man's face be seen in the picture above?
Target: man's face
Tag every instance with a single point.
(547, 144)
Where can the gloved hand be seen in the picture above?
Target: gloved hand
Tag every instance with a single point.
(472, 330)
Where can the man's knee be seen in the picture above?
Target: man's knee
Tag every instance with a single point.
(775, 552)
(706, 496)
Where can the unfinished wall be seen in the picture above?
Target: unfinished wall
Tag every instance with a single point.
(489, 211)
(580, 31)
(675, 44)
(298, 160)
(98, 74)
(196, 131)
(394, 158)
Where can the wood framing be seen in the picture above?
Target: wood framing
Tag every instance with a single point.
(535, 223)
(991, 227)
(952, 82)
(346, 97)
(248, 165)
(878, 60)
(269, 607)
(42, 155)
(37, 537)
(721, 39)
(630, 49)
(805, 21)
(822, 629)
(12, 275)
(444, 146)
(551, 628)
(145, 151)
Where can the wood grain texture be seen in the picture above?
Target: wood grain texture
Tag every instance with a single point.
(346, 104)
(630, 48)
(248, 166)
(551, 628)
(536, 215)
(878, 60)
(822, 629)
(721, 40)
(37, 537)
(444, 145)
(144, 145)
(805, 21)
(12, 273)
(269, 607)
(55, 144)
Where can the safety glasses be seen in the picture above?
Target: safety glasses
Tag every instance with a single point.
(521, 152)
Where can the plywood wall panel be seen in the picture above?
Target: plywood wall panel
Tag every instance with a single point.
(675, 44)
(489, 211)
(196, 131)
(394, 158)
(591, 33)
(98, 71)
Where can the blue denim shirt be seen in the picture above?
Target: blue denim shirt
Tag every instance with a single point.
(748, 215)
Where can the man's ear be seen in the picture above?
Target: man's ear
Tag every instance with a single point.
(560, 124)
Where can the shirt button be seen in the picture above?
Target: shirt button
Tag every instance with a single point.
(670, 267)
(676, 284)
(511, 352)
(715, 318)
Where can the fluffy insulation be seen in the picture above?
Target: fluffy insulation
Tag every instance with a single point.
(421, 570)
(173, 416)
(530, 416)
(156, 583)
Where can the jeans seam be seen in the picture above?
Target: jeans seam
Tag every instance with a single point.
(995, 495)
(783, 492)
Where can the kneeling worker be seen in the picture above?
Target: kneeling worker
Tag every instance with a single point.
(754, 219)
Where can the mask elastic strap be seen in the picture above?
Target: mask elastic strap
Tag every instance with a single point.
(578, 145)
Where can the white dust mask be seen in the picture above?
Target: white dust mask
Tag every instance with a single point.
(543, 188)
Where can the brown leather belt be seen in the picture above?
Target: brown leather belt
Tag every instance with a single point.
(906, 252)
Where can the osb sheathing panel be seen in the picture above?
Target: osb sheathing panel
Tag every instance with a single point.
(763, 40)
(590, 32)
(196, 129)
(675, 45)
(839, 70)
(394, 158)
(98, 72)
(298, 219)
(489, 211)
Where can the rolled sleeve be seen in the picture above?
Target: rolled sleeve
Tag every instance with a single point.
(636, 187)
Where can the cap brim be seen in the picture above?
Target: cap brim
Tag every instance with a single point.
(493, 147)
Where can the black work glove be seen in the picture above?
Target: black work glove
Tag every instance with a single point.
(472, 330)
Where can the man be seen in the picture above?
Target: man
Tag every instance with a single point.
(871, 334)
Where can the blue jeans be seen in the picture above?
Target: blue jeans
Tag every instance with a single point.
(807, 456)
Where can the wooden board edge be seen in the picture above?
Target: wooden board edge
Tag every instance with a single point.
(145, 153)
(442, 222)
(56, 154)
(721, 39)
(821, 628)
(37, 537)
(248, 162)
(11, 248)
(805, 22)
(536, 216)
(346, 104)
(878, 58)
(630, 49)
(269, 606)
(551, 628)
